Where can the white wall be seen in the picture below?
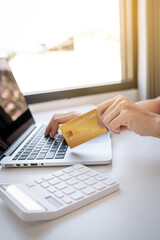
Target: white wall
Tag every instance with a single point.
(73, 102)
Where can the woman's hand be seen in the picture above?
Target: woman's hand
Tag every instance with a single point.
(58, 119)
(119, 113)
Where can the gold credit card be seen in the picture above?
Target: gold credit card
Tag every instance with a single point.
(82, 129)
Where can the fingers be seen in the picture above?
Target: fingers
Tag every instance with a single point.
(110, 113)
(48, 129)
(116, 125)
(59, 119)
(110, 104)
(101, 108)
(105, 107)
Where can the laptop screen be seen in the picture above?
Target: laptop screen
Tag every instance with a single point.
(15, 117)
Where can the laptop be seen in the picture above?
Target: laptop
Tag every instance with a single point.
(22, 140)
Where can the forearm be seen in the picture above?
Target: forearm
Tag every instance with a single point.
(152, 105)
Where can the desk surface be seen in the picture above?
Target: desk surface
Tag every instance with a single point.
(131, 213)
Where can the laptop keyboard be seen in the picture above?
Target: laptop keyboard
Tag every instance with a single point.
(40, 147)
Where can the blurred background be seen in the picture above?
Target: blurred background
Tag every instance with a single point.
(68, 48)
(58, 44)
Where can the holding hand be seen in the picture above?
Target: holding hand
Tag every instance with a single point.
(119, 113)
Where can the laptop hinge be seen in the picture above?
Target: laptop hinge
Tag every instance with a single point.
(19, 141)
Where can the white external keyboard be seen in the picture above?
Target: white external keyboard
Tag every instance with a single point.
(54, 195)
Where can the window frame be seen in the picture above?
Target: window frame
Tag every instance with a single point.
(128, 59)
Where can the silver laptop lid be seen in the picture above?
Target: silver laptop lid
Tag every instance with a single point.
(15, 117)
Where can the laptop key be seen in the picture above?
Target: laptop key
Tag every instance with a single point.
(16, 157)
(50, 155)
(24, 154)
(41, 156)
(59, 156)
(32, 157)
(60, 151)
(22, 158)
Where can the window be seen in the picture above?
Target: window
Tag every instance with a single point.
(68, 48)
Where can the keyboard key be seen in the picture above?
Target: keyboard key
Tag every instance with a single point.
(92, 174)
(67, 200)
(24, 154)
(84, 170)
(76, 173)
(54, 147)
(101, 177)
(61, 186)
(41, 156)
(69, 190)
(110, 182)
(59, 194)
(77, 195)
(51, 189)
(68, 170)
(32, 157)
(22, 158)
(90, 181)
(54, 181)
(80, 186)
(58, 173)
(65, 177)
(88, 190)
(38, 180)
(59, 156)
(50, 155)
(99, 186)
(43, 151)
(83, 177)
(61, 151)
(52, 150)
(77, 166)
(45, 185)
(15, 158)
(35, 151)
(72, 181)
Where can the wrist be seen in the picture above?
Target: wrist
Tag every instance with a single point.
(156, 126)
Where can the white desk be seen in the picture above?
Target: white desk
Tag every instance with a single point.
(131, 213)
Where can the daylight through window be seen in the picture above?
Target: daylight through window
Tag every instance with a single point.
(61, 44)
